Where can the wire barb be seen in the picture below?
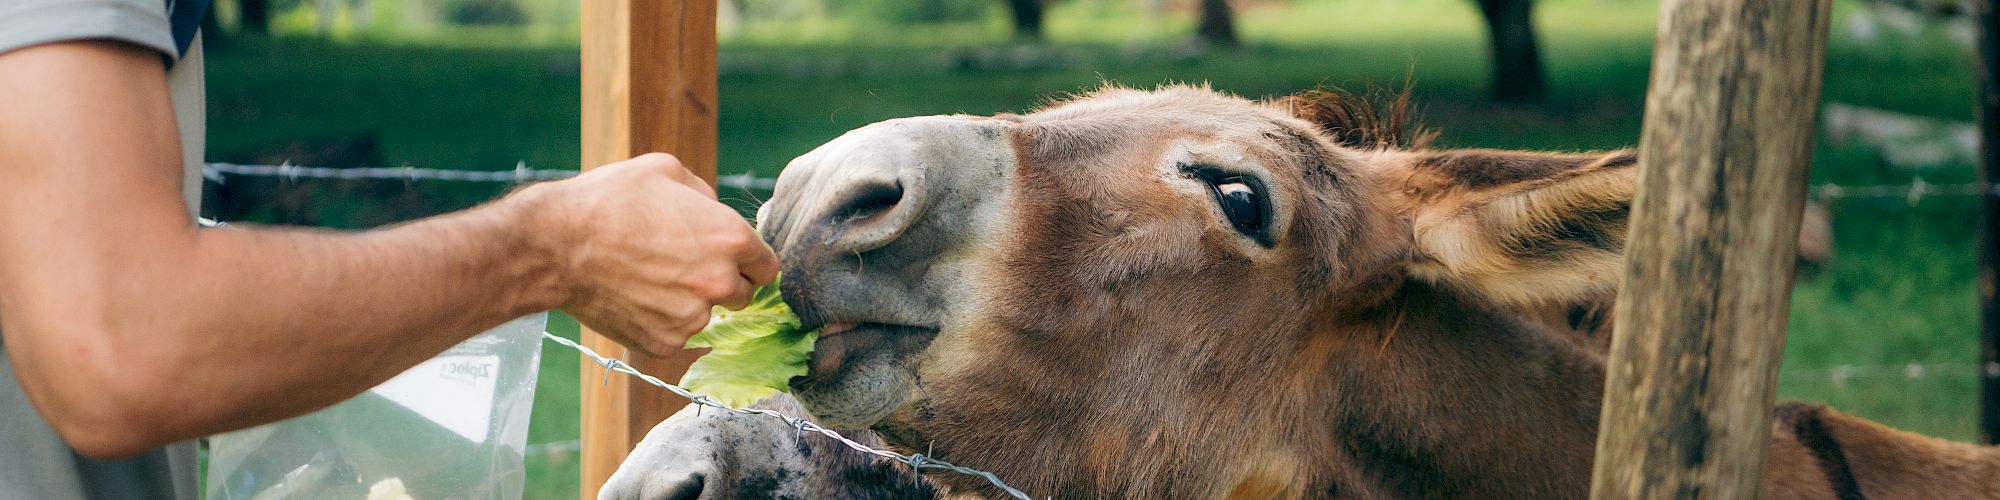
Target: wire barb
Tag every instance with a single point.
(519, 174)
(915, 461)
(1914, 192)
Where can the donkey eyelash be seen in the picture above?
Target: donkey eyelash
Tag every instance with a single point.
(1225, 189)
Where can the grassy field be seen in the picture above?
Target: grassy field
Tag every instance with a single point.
(1899, 292)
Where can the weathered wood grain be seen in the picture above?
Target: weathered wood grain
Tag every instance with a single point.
(648, 85)
(1702, 309)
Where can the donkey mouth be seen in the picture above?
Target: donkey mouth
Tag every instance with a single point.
(844, 344)
(861, 372)
(831, 329)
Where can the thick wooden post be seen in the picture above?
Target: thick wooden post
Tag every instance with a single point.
(1989, 218)
(1702, 310)
(648, 85)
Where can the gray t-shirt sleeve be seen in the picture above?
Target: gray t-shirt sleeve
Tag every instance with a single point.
(25, 23)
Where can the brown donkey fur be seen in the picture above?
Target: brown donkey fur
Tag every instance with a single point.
(1384, 121)
(1376, 349)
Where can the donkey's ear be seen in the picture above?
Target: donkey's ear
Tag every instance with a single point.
(1520, 228)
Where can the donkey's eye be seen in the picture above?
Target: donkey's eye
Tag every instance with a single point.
(1242, 198)
(1240, 203)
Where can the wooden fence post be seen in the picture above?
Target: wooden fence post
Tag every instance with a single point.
(1988, 66)
(648, 85)
(1701, 314)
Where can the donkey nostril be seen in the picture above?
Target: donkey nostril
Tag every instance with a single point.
(871, 199)
(686, 489)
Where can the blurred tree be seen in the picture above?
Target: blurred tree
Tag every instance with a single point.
(1218, 24)
(1517, 61)
(1933, 8)
(489, 12)
(325, 12)
(211, 29)
(1027, 18)
(782, 10)
(918, 11)
(256, 16)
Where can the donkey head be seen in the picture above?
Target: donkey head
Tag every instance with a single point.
(1112, 275)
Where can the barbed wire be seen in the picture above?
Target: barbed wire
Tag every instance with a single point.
(1915, 191)
(915, 460)
(1842, 373)
(520, 174)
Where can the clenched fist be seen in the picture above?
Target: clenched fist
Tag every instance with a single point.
(646, 249)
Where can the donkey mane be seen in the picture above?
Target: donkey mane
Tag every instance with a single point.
(1374, 119)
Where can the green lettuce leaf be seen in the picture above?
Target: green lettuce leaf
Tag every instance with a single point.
(753, 351)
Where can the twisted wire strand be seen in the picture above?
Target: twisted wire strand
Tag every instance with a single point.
(520, 174)
(914, 460)
(1917, 189)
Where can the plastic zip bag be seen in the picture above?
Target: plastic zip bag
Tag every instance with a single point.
(453, 427)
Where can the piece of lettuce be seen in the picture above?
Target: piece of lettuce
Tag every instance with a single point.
(753, 351)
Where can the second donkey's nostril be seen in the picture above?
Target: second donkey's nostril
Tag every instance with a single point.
(690, 488)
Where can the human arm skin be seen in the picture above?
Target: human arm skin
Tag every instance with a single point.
(130, 328)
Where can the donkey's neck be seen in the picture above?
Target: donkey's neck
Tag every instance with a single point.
(1437, 395)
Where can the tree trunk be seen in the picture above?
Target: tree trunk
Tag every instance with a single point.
(1700, 318)
(324, 12)
(363, 13)
(211, 28)
(1027, 18)
(1517, 60)
(1218, 26)
(1988, 277)
(256, 19)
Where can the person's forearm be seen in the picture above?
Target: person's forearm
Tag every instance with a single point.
(380, 300)
(209, 332)
(129, 328)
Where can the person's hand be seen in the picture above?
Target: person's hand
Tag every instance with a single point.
(646, 250)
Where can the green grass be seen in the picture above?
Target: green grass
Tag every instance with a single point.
(1899, 292)
(555, 475)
